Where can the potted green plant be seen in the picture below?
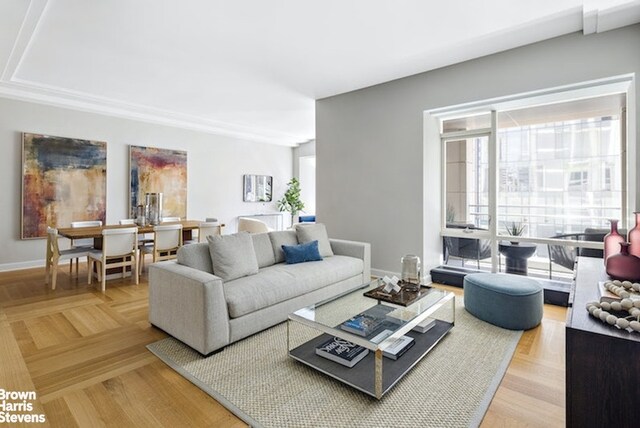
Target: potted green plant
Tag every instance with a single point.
(291, 201)
(514, 229)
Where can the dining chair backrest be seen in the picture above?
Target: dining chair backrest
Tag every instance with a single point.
(119, 242)
(170, 219)
(211, 220)
(167, 237)
(84, 242)
(127, 221)
(208, 229)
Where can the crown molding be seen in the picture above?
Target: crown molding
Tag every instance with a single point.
(22, 90)
(19, 89)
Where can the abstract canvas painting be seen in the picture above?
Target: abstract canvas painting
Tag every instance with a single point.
(154, 170)
(63, 180)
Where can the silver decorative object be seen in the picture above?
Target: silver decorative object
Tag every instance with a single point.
(154, 202)
(411, 272)
(141, 215)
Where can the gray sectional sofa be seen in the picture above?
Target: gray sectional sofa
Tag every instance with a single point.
(190, 302)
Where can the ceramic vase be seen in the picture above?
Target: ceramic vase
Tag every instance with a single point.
(612, 241)
(634, 237)
(623, 266)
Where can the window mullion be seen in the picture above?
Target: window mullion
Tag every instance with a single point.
(493, 190)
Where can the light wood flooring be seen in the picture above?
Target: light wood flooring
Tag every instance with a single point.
(84, 354)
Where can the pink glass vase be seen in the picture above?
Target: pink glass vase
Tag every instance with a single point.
(623, 266)
(612, 241)
(634, 237)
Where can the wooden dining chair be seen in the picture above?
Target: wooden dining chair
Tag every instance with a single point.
(167, 239)
(120, 247)
(82, 243)
(143, 239)
(208, 229)
(54, 255)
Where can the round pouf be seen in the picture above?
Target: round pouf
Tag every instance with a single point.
(509, 301)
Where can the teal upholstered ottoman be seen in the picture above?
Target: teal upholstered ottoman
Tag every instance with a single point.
(509, 301)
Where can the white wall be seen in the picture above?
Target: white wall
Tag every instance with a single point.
(304, 168)
(307, 176)
(215, 168)
(372, 168)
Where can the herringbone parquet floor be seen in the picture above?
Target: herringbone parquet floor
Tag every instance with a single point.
(84, 354)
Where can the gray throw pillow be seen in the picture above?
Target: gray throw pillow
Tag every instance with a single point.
(196, 256)
(232, 256)
(280, 238)
(263, 249)
(315, 232)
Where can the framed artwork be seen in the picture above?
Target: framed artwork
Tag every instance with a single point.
(154, 170)
(63, 180)
(256, 188)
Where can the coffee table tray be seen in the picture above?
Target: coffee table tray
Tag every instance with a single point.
(404, 297)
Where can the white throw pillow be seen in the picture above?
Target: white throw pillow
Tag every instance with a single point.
(232, 256)
(315, 232)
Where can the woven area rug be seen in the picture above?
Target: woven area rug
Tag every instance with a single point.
(256, 380)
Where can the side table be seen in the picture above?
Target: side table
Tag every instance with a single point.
(516, 255)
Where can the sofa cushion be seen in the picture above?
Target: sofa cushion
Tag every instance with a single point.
(263, 249)
(280, 238)
(232, 256)
(196, 256)
(315, 232)
(280, 282)
(301, 253)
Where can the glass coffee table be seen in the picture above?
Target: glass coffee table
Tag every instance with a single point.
(373, 328)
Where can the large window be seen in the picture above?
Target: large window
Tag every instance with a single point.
(560, 177)
(547, 172)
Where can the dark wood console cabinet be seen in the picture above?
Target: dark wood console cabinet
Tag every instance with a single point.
(602, 362)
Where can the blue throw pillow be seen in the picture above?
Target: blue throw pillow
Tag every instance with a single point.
(307, 252)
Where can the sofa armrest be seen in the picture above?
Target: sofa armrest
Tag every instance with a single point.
(359, 250)
(189, 304)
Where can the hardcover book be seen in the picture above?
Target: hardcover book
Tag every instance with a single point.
(399, 347)
(367, 322)
(425, 325)
(341, 351)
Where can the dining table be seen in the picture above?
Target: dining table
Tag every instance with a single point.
(95, 232)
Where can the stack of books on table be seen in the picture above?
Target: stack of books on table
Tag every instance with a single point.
(425, 325)
(405, 315)
(366, 323)
(341, 351)
(397, 348)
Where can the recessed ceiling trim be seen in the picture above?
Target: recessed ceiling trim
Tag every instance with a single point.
(23, 40)
(16, 88)
(43, 94)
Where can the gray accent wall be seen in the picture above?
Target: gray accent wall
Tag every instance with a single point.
(372, 169)
(215, 168)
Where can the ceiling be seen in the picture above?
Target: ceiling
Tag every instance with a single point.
(253, 69)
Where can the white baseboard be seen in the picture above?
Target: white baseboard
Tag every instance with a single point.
(380, 273)
(5, 267)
